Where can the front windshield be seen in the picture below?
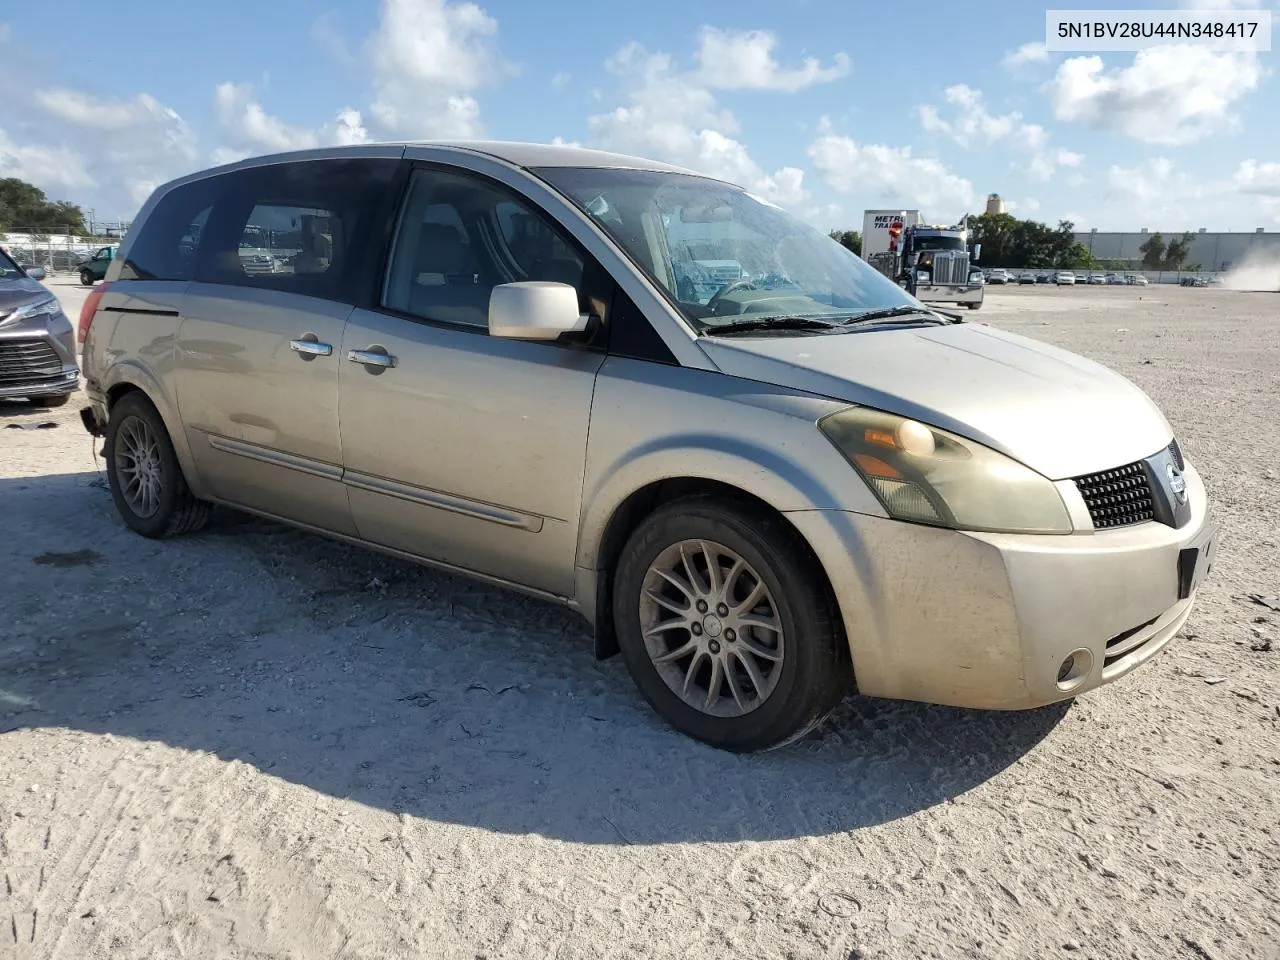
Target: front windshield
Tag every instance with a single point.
(937, 243)
(721, 254)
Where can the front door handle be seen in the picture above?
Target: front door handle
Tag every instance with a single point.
(372, 358)
(311, 348)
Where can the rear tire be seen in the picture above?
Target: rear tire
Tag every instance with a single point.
(86, 278)
(974, 306)
(146, 481)
(760, 686)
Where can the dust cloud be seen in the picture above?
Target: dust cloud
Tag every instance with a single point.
(1257, 272)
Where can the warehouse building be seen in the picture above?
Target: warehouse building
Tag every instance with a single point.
(1210, 251)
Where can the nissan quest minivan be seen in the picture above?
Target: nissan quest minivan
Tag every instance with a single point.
(766, 474)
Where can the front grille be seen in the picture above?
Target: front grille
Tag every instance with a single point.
(1177, 456)
(951, 268)
(1119, 497)
(25, 362)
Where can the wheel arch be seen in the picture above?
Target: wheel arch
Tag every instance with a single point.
(127, 378)
(627, 516)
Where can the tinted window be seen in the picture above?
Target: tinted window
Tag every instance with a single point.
(165, 248)
(304, 228)
(460, 236)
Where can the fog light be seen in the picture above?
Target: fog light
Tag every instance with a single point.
(1074, 669)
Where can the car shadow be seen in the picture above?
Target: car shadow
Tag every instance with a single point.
(415, 691)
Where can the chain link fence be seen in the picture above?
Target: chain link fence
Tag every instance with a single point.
(60, 253)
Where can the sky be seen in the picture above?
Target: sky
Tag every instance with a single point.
(826, 107)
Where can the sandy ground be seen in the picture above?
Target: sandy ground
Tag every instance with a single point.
(256, 743)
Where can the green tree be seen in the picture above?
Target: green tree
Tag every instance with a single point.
(849, 239)
(24, 208)
(1153, 252)
(1176, 253)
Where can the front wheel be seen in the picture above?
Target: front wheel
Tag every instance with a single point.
(86, 278)
(727, 626)
(974, 306)
(146, 481)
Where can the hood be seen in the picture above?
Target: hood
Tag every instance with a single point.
(1058, 413)
(16, 291)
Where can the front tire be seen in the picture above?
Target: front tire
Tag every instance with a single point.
(86, 278)
(727, 626)
(974, 306)
(146, 480)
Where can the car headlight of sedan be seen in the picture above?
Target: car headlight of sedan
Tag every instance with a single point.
(39, 308)
(925, 475)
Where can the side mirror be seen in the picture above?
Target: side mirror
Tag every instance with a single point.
(977, 252)
(534, 310)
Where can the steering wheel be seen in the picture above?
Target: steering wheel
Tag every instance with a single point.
(728, 288)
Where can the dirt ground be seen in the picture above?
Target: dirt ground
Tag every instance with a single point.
(255, 743)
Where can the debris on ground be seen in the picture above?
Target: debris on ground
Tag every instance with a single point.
(1272, 603)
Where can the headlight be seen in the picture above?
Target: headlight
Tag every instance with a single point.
(46, 307)
(925, 475)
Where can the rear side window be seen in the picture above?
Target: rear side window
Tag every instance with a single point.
(305, 228)
(166, 246)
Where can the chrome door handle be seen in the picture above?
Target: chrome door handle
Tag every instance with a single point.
(311, 348)
(371, 358)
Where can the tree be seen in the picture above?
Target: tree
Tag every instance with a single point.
(1153, 252)
(849, 239)
(1175, 255)
(24, 208)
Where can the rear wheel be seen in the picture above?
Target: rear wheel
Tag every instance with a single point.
(727, 627)
(146, 481)
(86, 278)
(974, 306)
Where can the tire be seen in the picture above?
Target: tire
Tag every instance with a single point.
(171, 509)
(974, 306)
(86, 278)
(814, 671)
(51, 400)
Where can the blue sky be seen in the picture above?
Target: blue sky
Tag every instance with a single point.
(826, 106)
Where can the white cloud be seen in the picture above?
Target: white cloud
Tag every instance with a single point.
(560, 80)
(346, 129)
(427, 57)
(1261, 179)
(877, 174)
(1169, 95)
(743, 60)
(673, 116)
(246, 125)
(134, 143)
(1033, 52)
(53, 169)
(973, 125)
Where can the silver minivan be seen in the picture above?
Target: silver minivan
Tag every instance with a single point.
(763, 472)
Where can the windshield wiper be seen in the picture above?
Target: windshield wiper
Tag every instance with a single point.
(871, 316)
(770, 323)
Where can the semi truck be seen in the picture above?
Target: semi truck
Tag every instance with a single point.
(933, 262)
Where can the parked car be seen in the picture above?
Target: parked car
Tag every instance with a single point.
(1115, 279)
(1193, 282)
(479, 360)
(1026, 278)
(998, 276)
(1044, 278)
(95, 267)
(1096, 279)
(37, 341)
(1064, 278)
(1136, 280)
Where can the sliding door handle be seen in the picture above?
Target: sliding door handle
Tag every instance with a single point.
(372, 358)
(311, 348)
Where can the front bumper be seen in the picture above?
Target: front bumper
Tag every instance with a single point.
(986, 620)
(966, 293)
(38, 358)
